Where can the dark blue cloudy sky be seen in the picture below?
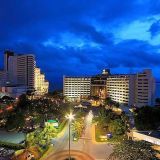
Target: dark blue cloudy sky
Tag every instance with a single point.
(81, 37)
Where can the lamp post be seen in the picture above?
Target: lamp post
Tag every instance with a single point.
(70, 117)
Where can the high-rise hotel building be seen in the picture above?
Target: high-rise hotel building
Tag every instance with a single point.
(19, 74)
(144, 88)
(121, 88)
(129, 89)
(76, 87)
(21, 70)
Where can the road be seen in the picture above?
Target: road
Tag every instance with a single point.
(62, 140)
(86, 144)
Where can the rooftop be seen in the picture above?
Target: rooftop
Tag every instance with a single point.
(12, 137)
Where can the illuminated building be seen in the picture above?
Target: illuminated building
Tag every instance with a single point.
(76, 87)
(137, 89)
(127, 89)
(20, 75)
(41, 85)
(121, 88)
(98, 84)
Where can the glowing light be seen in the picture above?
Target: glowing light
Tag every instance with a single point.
(70, 116)
(9, 108)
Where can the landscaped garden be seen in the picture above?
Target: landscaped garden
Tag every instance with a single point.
(110, 127)
(133, 150)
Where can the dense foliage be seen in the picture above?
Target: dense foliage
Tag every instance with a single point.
(108, 121)
(111, 103)
(133, 150)
(15, 120)
(77, 127)
(42, 137)
(147, 118)
(117, 127)
(32, 113)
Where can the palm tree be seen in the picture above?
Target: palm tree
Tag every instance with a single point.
(78, 126)
(102, 117)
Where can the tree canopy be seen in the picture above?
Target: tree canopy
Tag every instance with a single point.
(117, 127)
(147, 118)
(133, 150)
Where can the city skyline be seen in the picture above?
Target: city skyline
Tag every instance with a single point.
(20, 75)
(79, 79)
(82, 38)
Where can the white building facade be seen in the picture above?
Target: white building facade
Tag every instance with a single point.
(76, 87)
(137, 90)
(20, 69)
(121, 88)
(145, 89)
(126, 89)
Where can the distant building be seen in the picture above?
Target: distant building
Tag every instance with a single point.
(19, 75)
(13, 91)
(41, 85)
(19, 69)
(76, 87)
(3, 78)
(128, 89)
(7, 54)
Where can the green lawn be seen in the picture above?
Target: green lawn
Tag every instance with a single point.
(100, 132)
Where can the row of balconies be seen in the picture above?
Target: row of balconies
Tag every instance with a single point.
(77, 83)
(119, 96)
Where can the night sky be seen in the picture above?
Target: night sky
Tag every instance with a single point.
(81, 37)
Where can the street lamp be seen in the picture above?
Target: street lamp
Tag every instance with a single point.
(70, 117)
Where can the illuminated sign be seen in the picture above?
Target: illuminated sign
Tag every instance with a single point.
(54, 123)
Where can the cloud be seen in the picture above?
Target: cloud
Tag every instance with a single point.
(155, 28)
(84, 36)
(68, 39)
